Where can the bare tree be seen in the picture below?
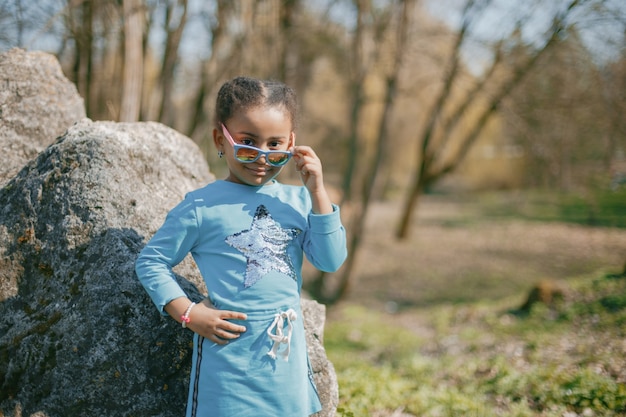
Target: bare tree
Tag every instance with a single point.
(289, 9)
(23, 22)
(83, 35)
(434, 155)
(13, 22)
(361, 65)
(132, 80)
(175, 20)
(367, 50)
(219, 63)
(614, 77)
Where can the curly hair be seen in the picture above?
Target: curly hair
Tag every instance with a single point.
(243, 93)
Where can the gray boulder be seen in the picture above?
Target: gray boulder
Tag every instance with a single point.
(37, 104)
(79, 337)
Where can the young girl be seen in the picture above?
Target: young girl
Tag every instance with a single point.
(247, 234)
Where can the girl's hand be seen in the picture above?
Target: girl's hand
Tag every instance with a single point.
(214, 324)
(310, 168)
(207, 321)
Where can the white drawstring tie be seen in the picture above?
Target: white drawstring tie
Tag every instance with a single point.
(278, 338)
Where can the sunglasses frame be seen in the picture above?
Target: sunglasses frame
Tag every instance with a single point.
(259, 152)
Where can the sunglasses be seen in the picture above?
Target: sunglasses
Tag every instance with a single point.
(248, 154)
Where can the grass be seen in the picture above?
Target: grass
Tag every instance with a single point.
(483, 359)
(472, 353)
(605, 208)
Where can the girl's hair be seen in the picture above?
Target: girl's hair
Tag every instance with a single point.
(244, 93)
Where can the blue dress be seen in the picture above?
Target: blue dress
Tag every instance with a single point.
(248, 243)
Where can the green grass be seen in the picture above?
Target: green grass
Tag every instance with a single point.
(604, 208)
(483, 360)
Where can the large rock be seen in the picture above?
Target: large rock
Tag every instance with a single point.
(323, 370)
(79, 337)
(78, 334)
(37, 104)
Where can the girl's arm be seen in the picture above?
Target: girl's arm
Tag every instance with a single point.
(205, 320)
(325, 241)
(310, 168)
(325, 244)
(167, 248)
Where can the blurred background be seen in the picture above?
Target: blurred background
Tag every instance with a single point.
(415, 106)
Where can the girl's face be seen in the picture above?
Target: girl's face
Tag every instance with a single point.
(266, 128)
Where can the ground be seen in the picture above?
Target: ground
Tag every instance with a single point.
(456, 254)
(457, 258)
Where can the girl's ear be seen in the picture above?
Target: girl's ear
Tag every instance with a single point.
(218, 140)
(292, 140)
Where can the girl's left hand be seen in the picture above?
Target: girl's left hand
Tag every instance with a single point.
(309, 166)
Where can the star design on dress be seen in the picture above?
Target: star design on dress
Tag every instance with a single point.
(265, 247)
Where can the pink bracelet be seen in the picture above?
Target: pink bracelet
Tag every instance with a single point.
(185, 317)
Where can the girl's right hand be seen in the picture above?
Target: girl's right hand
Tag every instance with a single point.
(214, 324)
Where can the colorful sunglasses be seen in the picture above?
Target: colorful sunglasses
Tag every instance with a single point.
(248, 154)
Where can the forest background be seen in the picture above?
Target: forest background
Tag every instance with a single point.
(398, 97)
(488, 108)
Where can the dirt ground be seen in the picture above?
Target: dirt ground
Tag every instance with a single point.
(456, 254)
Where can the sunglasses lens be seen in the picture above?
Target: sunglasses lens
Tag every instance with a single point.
(247, 154)
(278, 158)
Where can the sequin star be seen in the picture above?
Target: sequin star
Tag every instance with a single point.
(265, 247)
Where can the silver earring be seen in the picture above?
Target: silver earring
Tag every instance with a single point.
(220, 154)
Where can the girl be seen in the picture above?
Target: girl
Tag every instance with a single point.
(247, 234)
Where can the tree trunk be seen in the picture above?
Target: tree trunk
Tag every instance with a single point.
(213, 69)
(170, 57)
(133, 61)
(83, 35)
(427, 172)
(410, 204)
(361, 65)
(360, 211)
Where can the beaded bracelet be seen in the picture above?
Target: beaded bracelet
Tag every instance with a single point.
(185, 317)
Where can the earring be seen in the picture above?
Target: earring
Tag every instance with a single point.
(220, 154)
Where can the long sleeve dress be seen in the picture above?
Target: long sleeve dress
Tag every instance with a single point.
(248, 243)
